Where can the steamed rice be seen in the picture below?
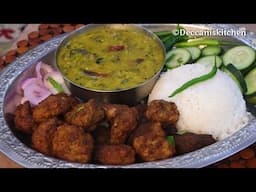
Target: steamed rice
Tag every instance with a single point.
(214, 107)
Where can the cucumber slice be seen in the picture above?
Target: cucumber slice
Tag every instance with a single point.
(240, 56)
(236, 75)
(210, 60)
(251, 86)
(248, 69)
(194, 51)
(211, 50)
(177, 57)
(250, 80)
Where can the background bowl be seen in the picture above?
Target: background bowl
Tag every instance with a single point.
(129, 96)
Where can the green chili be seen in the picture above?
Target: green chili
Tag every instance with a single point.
(196, 80)
(166, 38)
(163, 33)
(55, 84)
(169, 38)
(203, 41)
(171, 140)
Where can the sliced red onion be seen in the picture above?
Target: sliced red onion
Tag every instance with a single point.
(38, 88)
(36, 93)
(42, 69)
(29, 81)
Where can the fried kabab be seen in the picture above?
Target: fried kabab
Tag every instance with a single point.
(43, 134)
(151, 148)
(163, 112)
(123, 120)
(86, 115)
(52, 106)
(115, 154)
(71, 143)
(23, 118)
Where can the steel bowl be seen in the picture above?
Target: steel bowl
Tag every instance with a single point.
(129, 96)
(18, 147)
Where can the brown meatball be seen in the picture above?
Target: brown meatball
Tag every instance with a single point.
(42, 136)
(163, 112)
(52, 106)
(188, 142)
(123, 121)
(102, 135)
(71, 143)
(86, 115)
(152, 128)
(151, 148)
(115, 154)
(23, 118)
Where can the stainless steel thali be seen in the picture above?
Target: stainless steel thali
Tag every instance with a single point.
(20, 152)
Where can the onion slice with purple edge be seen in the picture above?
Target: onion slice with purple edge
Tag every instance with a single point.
(42, 69)
(35, 92)
(47, 82)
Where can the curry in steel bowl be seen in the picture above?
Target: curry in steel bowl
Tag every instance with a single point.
(131, 134)
(110, 58)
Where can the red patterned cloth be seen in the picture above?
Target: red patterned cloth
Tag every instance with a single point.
(8, 34)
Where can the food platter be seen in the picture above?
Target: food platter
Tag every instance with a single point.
(18, 151)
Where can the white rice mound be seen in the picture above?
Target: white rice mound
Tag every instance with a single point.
(215, 106)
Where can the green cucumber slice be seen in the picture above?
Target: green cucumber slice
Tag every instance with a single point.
(194, 51)
(210, 60)
(240, 56)
(211, 50)
(177, 57)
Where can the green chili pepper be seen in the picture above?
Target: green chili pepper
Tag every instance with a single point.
(171, 140)
(170, 42)
(55, 84)
(163, 33)
(196, 80)
(166, 38)
(203, 41)
(169, 38)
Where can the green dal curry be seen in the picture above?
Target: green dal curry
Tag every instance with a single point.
(110, 59)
